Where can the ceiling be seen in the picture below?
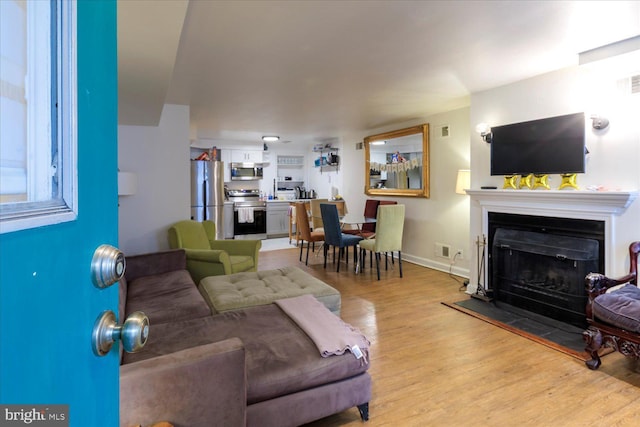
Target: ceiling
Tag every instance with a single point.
(310, 71)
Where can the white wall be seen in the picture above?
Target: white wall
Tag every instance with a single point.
(159, 156)
(614, 158)
(444, 216)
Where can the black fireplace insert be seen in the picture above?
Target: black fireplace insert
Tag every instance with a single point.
(539, 264)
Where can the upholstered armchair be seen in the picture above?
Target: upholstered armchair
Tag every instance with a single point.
(207, 256)
(613, 312)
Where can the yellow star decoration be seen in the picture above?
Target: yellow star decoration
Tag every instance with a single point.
(541, 181)
(510, 181)
(526, 181)
(569, 180)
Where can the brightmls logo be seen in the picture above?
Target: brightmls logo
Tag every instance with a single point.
(37, 415)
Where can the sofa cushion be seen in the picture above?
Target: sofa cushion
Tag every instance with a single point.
(241, 290)
(281, 358)
(620, 308)
(167, 297)
(155, 263)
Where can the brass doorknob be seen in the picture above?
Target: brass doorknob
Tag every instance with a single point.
(107, 266)
(133, 333)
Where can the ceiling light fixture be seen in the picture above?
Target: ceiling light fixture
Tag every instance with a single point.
(378, 142)
(270, 138)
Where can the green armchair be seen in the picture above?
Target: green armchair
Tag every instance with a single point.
(207, 256)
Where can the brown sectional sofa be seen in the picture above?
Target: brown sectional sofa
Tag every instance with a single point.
(252, 366)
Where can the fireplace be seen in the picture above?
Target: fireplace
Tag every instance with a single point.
(540, 228)
(539, 263)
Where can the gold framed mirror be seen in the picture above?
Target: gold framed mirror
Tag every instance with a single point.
(397, 163)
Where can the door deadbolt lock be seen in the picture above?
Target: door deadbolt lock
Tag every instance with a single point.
(133, 333)
(107, 266)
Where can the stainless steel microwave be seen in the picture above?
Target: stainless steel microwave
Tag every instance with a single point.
(246, 171)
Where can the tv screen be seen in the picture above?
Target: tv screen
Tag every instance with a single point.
(555, 145)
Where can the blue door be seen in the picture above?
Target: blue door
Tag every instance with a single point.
(48, 304)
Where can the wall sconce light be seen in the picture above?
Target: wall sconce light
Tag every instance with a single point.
(127, 183)
(270, 138)
(598, 122)
(463, 181)
(485, 132)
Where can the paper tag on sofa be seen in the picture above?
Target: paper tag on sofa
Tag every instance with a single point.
(356, 352)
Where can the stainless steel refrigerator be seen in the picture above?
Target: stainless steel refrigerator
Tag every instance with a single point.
(207, 193)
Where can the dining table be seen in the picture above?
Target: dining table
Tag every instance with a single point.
(357, 220)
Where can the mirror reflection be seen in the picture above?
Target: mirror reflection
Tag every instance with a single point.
(397, 163)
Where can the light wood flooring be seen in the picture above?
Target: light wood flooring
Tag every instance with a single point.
(434, 366)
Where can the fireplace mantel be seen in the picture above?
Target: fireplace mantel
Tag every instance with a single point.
(603, 202)
(603, 206)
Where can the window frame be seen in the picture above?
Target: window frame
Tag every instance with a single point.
(63, 129)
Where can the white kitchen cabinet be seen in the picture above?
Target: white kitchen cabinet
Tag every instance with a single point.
(246, 156)
(225, 156)
(277, 219)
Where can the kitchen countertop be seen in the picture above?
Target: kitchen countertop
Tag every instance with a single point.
(275, 201)
(289, 201)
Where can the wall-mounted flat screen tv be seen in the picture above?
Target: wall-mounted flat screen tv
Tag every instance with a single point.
(554, 145)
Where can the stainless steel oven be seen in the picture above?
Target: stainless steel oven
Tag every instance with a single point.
(249, 214)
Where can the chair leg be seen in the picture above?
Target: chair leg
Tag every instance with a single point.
(306, 262)
(400, 262)
(326, 250)
(386, 261)
(340, 252)
(301, 250)
(346, 255)
(378, 264)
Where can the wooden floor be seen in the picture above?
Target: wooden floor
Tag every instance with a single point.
(435, 366)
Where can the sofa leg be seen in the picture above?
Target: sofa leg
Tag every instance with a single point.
(364, 411)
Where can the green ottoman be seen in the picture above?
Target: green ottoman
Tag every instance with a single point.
(241, 290)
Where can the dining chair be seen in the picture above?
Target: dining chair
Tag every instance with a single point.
(382, 203)
(316, 216)
(369, 229)
(389, 229)
(333, 235)
(311, 237)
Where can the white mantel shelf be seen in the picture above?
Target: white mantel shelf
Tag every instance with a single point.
(603, 206)
(604, 202)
